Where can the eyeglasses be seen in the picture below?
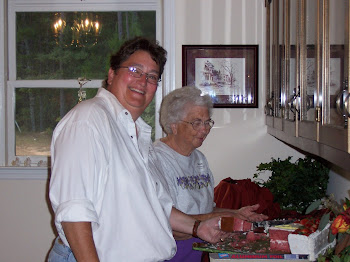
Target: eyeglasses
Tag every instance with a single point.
(137, 72)
(197, 124)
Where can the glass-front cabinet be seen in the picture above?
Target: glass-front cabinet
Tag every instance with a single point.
(307, 72)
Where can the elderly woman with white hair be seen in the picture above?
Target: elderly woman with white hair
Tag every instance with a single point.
(185, 117)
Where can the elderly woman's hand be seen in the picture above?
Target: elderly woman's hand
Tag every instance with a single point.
(248, 213)
(245, 213)
(209, 231)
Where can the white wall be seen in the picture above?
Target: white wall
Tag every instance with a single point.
(339, 184)
(234, 148)
(25, 221)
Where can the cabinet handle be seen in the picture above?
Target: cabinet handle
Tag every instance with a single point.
(269, 107)
(342, 102)
(347, 105)
(294, 103)
(318, 114)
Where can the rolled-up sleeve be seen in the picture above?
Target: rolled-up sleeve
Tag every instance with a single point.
(78, 175)
(76, 211)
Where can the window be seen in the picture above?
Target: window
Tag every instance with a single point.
(59, 54)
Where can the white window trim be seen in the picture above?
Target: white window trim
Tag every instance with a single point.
(168, 78)
(165, 23)
(3, 78)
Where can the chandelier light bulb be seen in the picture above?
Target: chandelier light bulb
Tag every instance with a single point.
(59, 25)
(85, 29)
(87, 22)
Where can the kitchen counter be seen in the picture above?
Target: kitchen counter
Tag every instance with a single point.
(222, 257)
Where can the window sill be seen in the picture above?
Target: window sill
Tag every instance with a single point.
(24, 173)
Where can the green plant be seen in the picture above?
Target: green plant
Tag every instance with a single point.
(294, 185)
(329, 256)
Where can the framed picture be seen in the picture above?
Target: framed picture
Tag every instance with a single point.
(228, 73)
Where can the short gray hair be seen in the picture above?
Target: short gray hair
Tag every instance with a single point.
(173, 107)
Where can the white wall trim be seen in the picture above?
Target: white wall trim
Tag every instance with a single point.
(169, 45)
(24, 173)
(3, 78)
(168, 42)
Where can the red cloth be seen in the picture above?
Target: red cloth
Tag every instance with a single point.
(235, 194)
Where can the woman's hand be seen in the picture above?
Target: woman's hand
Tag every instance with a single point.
(248, 213)
(209, 230)
(245, 213)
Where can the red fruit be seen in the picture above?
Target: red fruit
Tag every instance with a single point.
(313, 228)
(304, 221)
(297, 231)
(305, 231)
(309, 224)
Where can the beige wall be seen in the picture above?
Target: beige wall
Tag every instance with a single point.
(236, 145)
(25, 221)
(339, 184)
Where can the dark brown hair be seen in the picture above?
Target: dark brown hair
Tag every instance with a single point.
(157, 52)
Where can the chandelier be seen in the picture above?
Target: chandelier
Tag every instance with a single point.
(83, 29)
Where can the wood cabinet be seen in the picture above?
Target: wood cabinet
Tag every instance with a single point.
(307, 74)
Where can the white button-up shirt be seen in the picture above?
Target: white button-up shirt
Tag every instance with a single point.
(104, 174)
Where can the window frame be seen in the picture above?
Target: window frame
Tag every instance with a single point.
(165, 30)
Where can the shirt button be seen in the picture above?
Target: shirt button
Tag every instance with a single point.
(126, 113)
(132, 137)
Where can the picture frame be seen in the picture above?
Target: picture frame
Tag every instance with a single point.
(228, 73)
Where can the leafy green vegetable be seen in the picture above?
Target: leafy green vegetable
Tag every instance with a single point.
(295, 185)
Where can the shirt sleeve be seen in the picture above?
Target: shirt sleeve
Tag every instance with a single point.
(77, 174)
(162, 186)
(212, 182)
(167, 171)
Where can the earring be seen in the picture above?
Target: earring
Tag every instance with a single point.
(173, 128)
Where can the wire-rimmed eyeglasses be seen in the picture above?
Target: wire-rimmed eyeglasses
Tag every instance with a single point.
(137, 72)
(197, 124)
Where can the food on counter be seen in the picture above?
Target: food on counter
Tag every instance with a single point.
(308, 226)
(238, 242)
(277, 237)
(231, 224)
(301, 237)
(253, 236)
(313, 244)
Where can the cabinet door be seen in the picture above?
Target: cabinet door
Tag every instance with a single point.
(281, 67)
(308, 74)
(334, 127)
(292, 65)
(309, 69)
(289, 72)
(277, 61)
(270, 103)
